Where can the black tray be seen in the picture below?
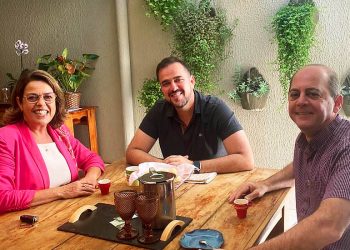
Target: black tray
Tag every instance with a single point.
(96, 224)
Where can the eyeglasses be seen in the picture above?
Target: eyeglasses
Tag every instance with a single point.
(34, 98)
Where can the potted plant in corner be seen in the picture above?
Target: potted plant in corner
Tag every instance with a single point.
(251, 89)
(345, 91)
(70, 73)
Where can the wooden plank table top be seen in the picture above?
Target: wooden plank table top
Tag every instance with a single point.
(206, 204)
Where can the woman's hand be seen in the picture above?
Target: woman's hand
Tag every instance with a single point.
(91, 176)
(76, 189)
(88, 180)
(85, 186)
(249, 191)
(71, 190)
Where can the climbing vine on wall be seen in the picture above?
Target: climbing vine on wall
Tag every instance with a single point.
(294, 27)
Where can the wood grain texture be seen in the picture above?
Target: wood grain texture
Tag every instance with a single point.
(84, 116)
(205, 203)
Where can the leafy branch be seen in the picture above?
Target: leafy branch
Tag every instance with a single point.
(294, 27)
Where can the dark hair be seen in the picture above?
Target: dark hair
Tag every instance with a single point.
(333, 82)
(170, 60)
(14, 114)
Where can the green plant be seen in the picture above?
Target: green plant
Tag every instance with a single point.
(201, 34)
(150, 93)
(294, 27)
(163, 10)
(252, 82)
(68, 72)
(345, 89)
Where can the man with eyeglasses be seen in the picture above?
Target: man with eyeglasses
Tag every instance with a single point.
(320, 168)
(191, 127)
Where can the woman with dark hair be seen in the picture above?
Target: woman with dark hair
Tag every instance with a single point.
(39, 158)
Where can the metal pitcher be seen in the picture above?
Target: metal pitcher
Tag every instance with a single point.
(161, 183)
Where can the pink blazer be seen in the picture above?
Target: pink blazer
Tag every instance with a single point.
(23, 170)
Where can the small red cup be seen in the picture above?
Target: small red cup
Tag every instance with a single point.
(104, 186)
(241, 206)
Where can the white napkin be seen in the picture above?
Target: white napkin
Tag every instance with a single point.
(182, 171)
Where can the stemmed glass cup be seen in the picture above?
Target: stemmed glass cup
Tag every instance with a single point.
(125, 205)
(147, 207)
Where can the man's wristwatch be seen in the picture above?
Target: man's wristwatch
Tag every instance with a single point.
(197, 168)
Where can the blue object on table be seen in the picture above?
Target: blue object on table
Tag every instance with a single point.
(191, 239)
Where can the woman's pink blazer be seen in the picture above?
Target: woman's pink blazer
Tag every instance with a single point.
(23, 170)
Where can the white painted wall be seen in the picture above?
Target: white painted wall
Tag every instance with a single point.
(90, 26)
(271, 132)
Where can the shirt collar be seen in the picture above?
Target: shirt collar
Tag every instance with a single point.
(197, 102)
(320, 138)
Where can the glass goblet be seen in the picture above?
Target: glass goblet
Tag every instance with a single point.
(125, 206)
(147, 207)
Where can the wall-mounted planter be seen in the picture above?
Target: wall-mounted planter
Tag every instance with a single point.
(345, 91)
(251, 89)
(252, 102)
(346, 104)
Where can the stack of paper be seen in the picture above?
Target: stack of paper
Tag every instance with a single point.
(201, 178)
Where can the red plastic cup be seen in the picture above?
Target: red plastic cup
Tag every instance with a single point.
(241, 206)
(104, 186)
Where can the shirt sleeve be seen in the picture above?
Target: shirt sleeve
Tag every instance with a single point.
(227, 123)
(338, 185)
(150, 122)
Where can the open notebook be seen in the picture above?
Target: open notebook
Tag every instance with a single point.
(201, 178)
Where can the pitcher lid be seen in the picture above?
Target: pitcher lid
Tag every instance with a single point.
(158, 177)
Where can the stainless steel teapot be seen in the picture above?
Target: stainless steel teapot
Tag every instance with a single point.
(162, 184)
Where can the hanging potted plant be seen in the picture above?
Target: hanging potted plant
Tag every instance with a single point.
(345, 91)
(294, 28)
(70, 73)
(251, 89)
(201, 34)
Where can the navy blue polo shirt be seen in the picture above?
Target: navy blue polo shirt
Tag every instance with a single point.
(212, 122)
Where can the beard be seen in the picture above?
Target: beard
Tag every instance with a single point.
(179, 101)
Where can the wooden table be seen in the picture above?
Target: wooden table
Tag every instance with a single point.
(84, 116)
(205, 203)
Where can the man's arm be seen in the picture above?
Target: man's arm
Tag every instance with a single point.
(282, 179)
(239, 156)
(252, 190)
(137, 151)
(325, 226)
